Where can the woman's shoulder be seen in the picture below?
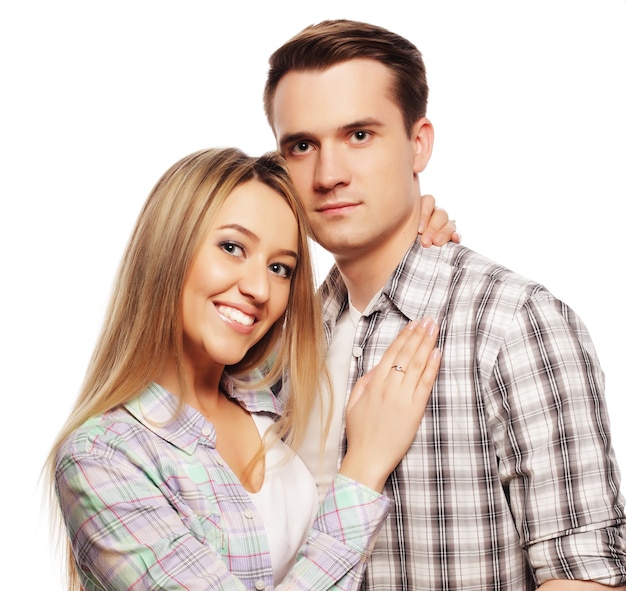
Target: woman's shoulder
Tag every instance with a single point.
(146, 429)
(102, 433)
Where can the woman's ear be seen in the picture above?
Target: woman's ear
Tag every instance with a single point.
(423, 137)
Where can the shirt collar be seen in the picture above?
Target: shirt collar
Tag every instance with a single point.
(415, 288)
(253, 400)
(161, 412)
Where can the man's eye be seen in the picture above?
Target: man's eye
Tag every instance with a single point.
(301, 147)
(281, 270)
(360, 135)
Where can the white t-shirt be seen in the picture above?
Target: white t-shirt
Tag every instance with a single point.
(338, 358)
(287, 501)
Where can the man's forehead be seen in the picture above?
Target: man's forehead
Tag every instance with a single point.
(331, 99)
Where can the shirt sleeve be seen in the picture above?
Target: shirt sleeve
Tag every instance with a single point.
(341, 539)
(552, 433)
(126, 532)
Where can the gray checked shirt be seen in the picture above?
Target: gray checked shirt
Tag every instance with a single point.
(511, 480)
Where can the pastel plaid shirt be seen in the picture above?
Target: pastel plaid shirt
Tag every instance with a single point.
(511, 480)
(150, 504)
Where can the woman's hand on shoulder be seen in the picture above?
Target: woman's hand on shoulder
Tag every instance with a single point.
(435, 225)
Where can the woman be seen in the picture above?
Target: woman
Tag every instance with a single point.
(172, 471)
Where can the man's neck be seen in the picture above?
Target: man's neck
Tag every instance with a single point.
(366, 274)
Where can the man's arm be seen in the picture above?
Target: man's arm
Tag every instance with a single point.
(560, 585)
(552, 432)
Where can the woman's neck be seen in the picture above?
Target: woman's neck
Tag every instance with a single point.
(197, 387)
(237, 438)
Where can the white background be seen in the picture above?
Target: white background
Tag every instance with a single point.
(99, 98)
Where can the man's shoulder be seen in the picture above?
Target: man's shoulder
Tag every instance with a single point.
(456, 277)
(470, 266)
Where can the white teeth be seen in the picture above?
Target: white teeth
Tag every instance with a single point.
(235, 315)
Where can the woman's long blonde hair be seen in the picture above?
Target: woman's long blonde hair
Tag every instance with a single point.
(143, 324)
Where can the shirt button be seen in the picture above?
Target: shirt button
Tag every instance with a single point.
(206, 431)
(357, 351)
(260, 585)
(248, 514)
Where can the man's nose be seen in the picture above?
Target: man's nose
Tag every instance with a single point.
(331, 168)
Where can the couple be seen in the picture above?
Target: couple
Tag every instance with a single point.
(162, 479)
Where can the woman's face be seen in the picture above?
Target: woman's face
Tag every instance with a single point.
(239, 282)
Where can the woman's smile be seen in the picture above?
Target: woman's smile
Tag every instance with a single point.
(230, 314)
(239, 282)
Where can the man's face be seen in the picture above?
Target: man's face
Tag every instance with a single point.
(350, 157)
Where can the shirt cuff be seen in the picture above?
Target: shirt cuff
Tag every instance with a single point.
(592, 555)
(352, 514)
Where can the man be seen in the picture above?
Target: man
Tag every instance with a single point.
(511, 482)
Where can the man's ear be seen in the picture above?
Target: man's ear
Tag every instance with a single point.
(423, 137)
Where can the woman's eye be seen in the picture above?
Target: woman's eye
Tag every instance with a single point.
(232, 248)
(281, 270)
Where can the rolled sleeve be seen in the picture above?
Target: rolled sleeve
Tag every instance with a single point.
(554, 443)
(593, 555)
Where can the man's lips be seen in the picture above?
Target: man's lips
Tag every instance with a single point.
(339, 207)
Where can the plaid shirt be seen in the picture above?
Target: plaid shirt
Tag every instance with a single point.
(150, 504)
(511, 480)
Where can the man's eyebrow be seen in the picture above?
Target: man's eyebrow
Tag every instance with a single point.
(294, 138)
(359, 123)
(252, 236)
(299, 136)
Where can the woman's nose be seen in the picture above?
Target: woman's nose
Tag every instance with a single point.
(254, 281)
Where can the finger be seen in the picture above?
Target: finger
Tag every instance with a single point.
(413, 357)
(413, 330)
(439, 229)
(446, 234)
(428, 206)
(394, 363)
(425, 384)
